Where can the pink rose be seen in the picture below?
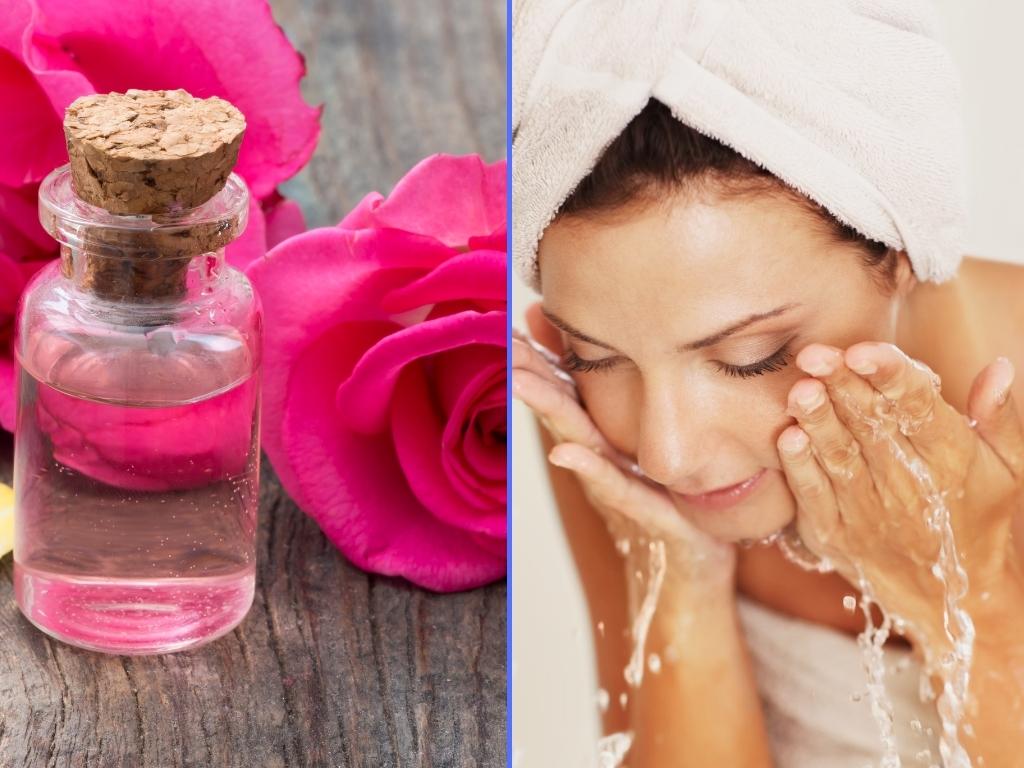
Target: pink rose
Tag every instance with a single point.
(384, 376)
(53, 51)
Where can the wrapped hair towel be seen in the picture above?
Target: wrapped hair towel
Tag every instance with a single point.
(854, 103)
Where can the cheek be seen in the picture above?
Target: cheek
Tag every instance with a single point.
(732, 419)
(613, 403)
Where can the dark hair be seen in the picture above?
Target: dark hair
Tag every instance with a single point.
(658, 153)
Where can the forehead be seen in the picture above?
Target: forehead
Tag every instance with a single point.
(697, 249)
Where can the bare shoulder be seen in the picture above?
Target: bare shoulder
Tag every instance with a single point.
(994, 278)
(960, 326)
(994, 292)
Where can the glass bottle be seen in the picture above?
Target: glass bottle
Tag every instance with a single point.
(137, 441)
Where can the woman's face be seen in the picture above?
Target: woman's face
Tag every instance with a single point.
(681, 321)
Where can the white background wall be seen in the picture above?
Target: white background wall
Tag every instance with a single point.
(554, 714)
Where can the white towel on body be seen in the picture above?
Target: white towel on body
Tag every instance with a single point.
(813, 686)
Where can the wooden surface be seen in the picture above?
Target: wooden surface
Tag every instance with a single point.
(331, 667)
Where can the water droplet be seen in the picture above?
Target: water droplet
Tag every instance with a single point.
(850, 603)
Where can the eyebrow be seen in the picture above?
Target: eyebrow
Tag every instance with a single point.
(707, 341)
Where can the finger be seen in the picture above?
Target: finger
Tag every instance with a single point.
(528, 354)
(992, 406)
(810, 486)
(609, 487)
(558, 411)
(930, 424)
(838, 451)
(858, 405)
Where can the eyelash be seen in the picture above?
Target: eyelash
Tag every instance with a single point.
(774, 362)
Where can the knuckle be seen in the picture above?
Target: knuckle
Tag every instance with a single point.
(918, 401)
(841, 458)
(813, 489)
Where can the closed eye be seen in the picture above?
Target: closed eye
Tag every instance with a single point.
(577, 364)
(774, 362)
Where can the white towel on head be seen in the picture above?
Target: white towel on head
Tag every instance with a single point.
(852, 102)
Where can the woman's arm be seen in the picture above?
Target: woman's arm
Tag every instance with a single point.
(992, 730)
(702, 708)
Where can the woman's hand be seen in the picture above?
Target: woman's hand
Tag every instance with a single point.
(635, 510)
(877, 458)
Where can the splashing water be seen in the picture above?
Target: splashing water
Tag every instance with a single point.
(871, 642)
(654, 663)
(612, 749)
(794, 550)
(634, 672)
(947, 569)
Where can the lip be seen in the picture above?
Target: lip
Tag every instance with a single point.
(726, 497)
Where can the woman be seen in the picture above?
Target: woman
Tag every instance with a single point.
(767, 366)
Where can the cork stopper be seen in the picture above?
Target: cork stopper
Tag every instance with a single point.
(151, 151)
(156, 154)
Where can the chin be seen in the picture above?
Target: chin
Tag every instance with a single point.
(771, 508)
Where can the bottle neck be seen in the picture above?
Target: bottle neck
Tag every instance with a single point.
(142, 259)
(142, 277)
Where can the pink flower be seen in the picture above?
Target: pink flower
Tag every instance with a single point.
(53, 51)
(384, 375)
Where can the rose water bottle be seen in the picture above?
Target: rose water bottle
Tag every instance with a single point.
(137, 441)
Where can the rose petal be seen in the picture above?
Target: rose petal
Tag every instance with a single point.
(496, 241)
(8, 393)
(484, 272)
(22, 237)
(365, 395)
(353, 487)
(484, 441)
(448, 197)
(31, 130)
(323, 277)
(483, 390)
(12, 280)
(417, 427)
(310, 281)
(361, 217)
(284, 219)
(207, 48)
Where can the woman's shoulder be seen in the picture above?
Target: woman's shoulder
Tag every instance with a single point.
(960, 326)
(993, 293)
(990, 275)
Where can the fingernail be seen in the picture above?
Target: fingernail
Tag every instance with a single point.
(809, 401)
(1005, 378)
(794, 442)
(819, 361)
(559, 461)
(861, 366)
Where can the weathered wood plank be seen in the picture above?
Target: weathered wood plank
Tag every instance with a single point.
(331, 667)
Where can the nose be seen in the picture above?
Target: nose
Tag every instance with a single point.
(673, 441)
